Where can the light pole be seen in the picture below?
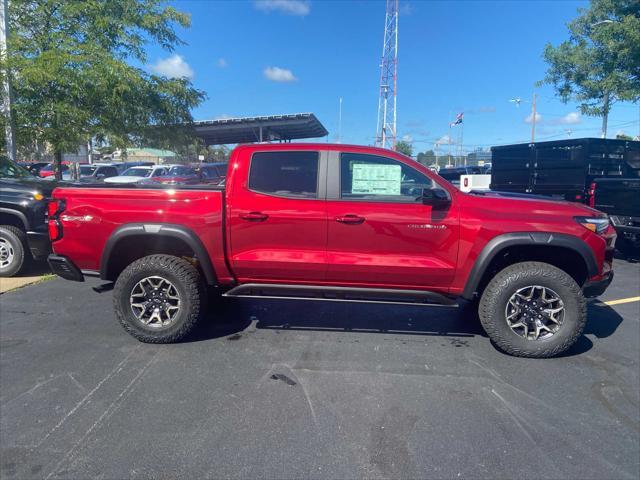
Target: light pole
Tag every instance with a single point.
(7, 96)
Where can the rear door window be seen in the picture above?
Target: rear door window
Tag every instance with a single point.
(285, 174)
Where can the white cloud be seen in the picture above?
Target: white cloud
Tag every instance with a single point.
(570, 119)
(222, 63)
(530, 118)
(277, 74)
(444, 140)
(288, 7)
(407, 138)
(173, 67)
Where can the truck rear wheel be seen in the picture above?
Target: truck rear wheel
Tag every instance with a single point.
(533, 309)
(159, 298)
(13, 250)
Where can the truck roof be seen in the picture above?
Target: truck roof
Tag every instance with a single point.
(570, 142)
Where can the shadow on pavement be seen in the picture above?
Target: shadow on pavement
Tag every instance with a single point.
(229, 317)
(34, 269)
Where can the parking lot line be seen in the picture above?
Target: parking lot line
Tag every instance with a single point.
(622, 300)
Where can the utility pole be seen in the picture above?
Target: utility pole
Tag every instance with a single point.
(533, 120)
(7, 95)
(605, 117)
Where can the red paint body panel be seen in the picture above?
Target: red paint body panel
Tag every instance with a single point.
(289, 245)
(92, 214)
(274, 239)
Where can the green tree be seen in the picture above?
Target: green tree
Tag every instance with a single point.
(600, 63)
(623, 136)
(404, 147)
(76, 74)
(426, 158)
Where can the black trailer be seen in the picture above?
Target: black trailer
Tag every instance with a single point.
(563, 168)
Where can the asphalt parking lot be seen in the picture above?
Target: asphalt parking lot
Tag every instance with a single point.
(292, 389)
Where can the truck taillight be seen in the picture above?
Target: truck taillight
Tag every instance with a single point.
(592, 195)
(54, 209)
(466, 182)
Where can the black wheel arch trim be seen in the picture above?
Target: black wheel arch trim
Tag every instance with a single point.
(158, 229)
(19, 214)
(499, 243)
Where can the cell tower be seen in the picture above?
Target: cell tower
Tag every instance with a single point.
(386, 128)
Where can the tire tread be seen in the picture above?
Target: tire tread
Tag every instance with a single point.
(190, 278)
(502, 280)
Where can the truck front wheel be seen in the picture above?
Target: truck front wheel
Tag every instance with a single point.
(13, 250)
(533, 309)
(159, 298)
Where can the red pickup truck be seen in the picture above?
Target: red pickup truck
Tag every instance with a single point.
(337, 223)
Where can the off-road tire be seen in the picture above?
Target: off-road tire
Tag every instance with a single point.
(21, 255)
(497, 293)
(183, 275)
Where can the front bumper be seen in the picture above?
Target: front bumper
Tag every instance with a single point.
(65, 268)
(597, 287)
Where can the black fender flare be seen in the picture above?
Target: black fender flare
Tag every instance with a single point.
(499, 243)
(158, 230)
(16, 213)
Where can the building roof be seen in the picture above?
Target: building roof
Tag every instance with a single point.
(259, 129)
(151, 152)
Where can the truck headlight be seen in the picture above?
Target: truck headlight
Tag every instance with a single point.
(597, 225)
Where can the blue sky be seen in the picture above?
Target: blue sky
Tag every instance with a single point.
(290, 56)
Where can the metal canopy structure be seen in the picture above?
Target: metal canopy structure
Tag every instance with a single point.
(259, 129)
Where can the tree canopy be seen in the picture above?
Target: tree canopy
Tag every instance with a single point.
(404, 147)
(77, 70)
(600, 62)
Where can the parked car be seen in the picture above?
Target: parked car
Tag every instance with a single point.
(23, 206)
(47, 170)
(563, 169)
(97, 172)
(33, 167)
(122, 166)
(620, 198)
(138, 174)
(453, 174)
(213, 173)
(179, 174)
(338, 223)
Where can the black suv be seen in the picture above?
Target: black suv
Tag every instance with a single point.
(23, 207)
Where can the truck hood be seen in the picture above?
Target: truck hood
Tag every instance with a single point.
(45, 187)
(527, 202)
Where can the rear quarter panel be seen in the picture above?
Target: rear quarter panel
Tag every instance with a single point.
(91, 215)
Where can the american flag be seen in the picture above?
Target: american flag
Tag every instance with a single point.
(458, 120)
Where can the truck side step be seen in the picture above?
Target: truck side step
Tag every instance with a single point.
(340, 294)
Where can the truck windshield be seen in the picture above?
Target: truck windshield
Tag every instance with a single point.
(87, 170)
(137, 172)
(8, 169)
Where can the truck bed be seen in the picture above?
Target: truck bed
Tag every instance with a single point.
(92, 214)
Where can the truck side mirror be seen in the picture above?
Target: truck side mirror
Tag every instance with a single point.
(436, 197)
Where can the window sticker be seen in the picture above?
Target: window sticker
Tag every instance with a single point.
(376, 179)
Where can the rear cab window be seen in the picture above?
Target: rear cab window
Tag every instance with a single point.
(285, 174)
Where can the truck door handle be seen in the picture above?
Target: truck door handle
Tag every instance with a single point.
(254, 216)
(350, 219)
